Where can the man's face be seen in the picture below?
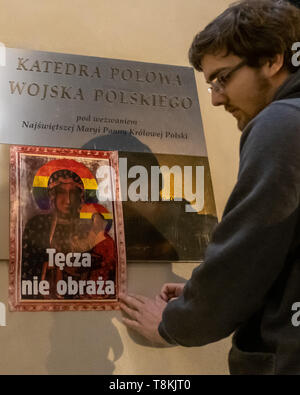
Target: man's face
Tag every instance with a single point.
(247, 91)
(67, 200)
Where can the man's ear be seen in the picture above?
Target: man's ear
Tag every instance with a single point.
(274, 65)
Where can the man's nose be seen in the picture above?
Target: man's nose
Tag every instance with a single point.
(218, 98)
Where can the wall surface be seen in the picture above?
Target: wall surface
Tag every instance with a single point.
(149, 31)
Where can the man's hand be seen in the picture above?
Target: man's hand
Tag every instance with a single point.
(171, 291)
(144, 316)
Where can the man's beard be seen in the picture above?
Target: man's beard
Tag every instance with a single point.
(263, 98)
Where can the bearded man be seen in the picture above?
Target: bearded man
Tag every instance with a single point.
(250, 277)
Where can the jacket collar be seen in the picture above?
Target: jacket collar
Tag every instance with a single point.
(290, 89)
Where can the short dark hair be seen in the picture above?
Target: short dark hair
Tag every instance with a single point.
(295, 2)
(255, 30)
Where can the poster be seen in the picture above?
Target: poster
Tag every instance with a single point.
(67, 249)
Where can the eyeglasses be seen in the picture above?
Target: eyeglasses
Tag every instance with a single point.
(219, 83)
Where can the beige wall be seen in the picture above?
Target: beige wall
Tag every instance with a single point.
(150, 31)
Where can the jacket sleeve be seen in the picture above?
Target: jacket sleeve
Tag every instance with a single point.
(251, 243)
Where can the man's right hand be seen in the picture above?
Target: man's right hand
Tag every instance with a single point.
(171, 291)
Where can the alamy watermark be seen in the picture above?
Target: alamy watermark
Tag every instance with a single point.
(2, 314)
(148, 187)
(296, 315)
(296, 56)
(2, 54)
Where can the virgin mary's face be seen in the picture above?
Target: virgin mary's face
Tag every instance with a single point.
(67, 200)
